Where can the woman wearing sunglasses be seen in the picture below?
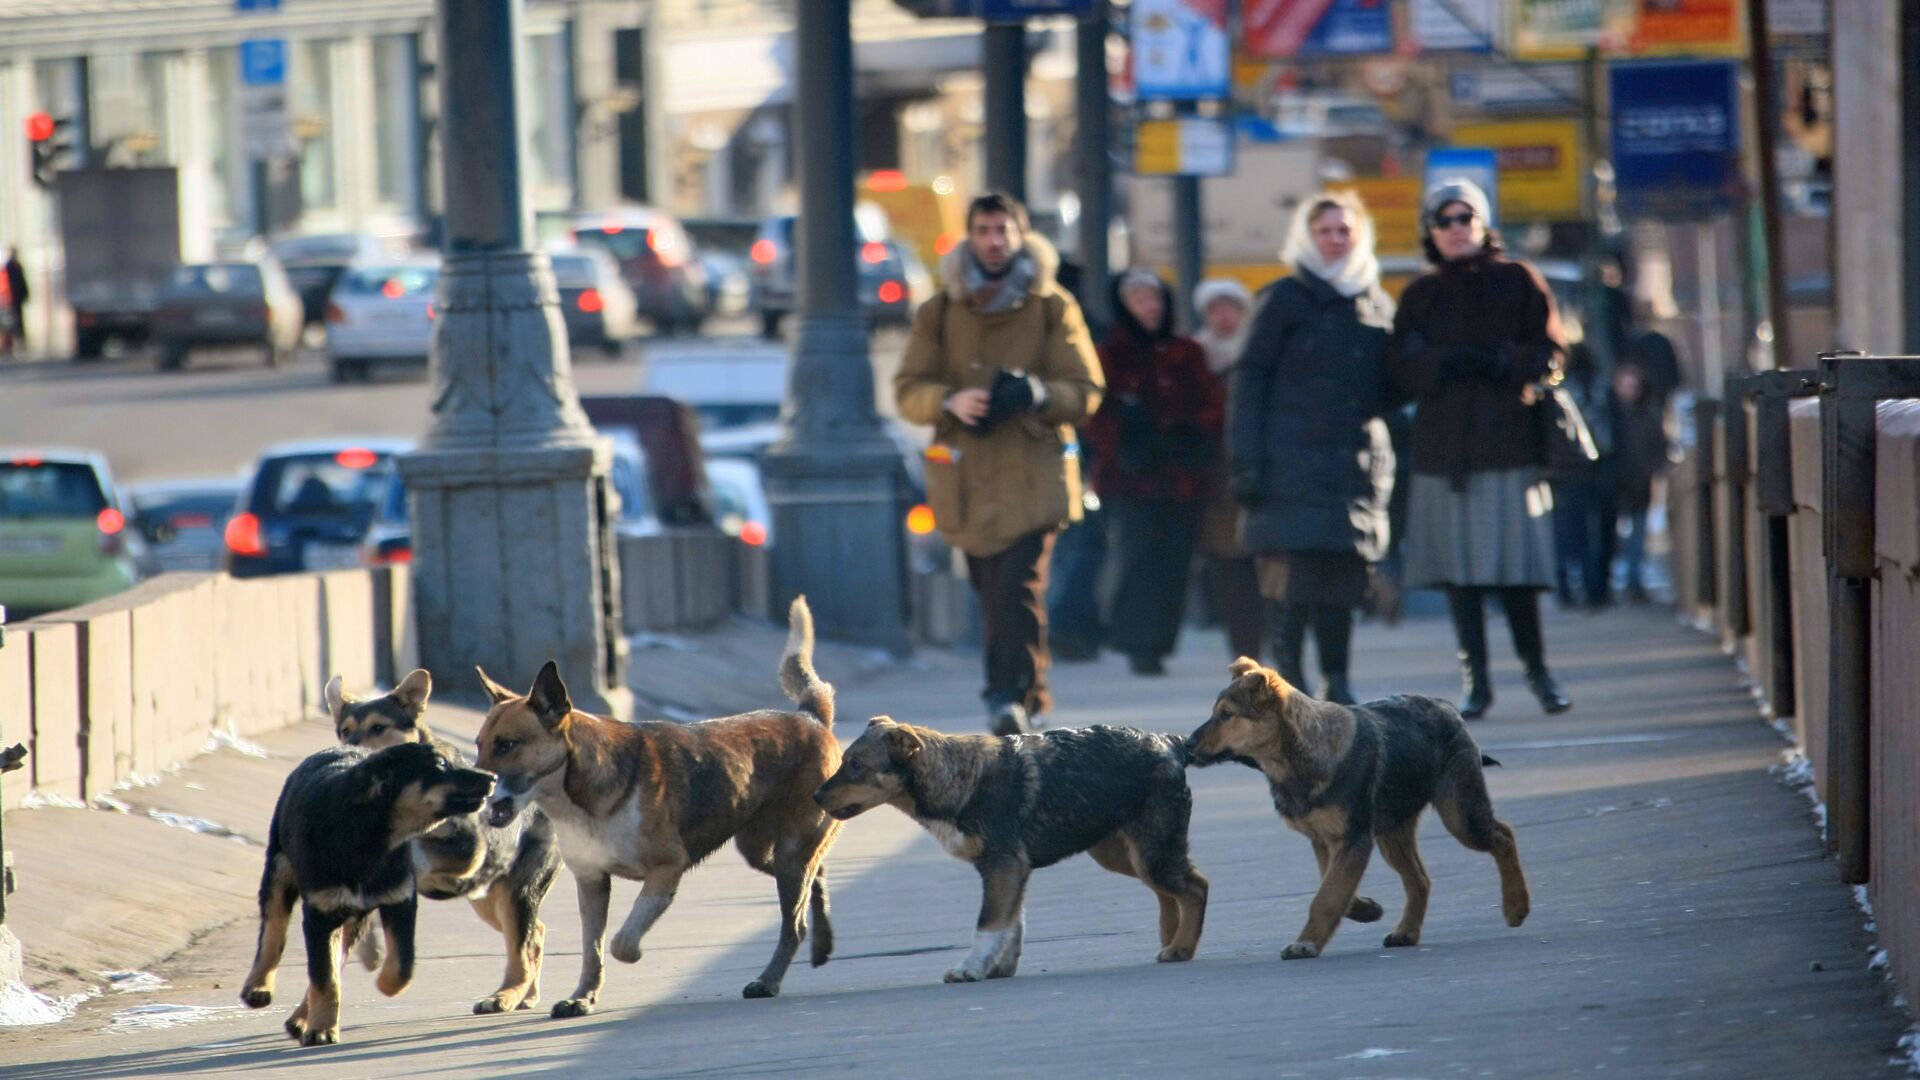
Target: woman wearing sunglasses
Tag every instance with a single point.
(1473, 339)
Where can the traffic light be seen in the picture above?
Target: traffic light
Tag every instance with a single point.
(47, 138)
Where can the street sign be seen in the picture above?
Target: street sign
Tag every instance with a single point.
(256, 5)
(1478, 164)
(263, 62)
(1188, 146)
(1676, 135)
(264, 130)
(1505, 88)
(1181, 51)
(1013, 11)
(1454, 25)
(1285, 29)
(1539, 163)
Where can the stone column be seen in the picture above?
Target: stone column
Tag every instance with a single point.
(835, 480)
(514, 554)
(1003, 58)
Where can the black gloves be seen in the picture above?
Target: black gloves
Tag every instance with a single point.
(1011, 395)
(1473, 362)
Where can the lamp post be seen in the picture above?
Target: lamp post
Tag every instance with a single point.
(514, 558)
(1003, 57)
(835, 480)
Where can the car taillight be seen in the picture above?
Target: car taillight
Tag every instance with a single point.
(891, 292)
(590, 301)
(432, 312)
(873, 252)
(334, 314)
(920, 520)
(389, 556)
(753, 534)
(665, 248)
(763, 252)
(243, 536)
(110, 523)
(393, 289)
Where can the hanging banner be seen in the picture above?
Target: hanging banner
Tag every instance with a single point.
(1288, 29)
(1539, 165)
(1181, 51)
(1676, 136)
(1453, 25)
(1695, 27)
(1565, 29)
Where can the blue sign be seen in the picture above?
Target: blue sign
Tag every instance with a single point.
(1478, 164)
(1351, 28)
(256, 5)
(1013, 11)
(263, 62)
(1676, 135)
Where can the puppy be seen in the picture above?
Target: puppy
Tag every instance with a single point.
(647, 801)
(1012, 804)
(1350, 777)
(338, 843)
(503, 872)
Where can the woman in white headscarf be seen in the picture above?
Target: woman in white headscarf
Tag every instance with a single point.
(1307, 453)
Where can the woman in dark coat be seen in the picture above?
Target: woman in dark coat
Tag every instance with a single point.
(1308, 455)
(1154, 440)
(1474, 339)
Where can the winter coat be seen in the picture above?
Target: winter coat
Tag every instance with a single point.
(1305, 442)
(1022, 474)
(1157, 434)
(1470, 336)
(17, 294)
(1640, 450)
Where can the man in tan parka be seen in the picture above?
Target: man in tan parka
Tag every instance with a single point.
(1002, 366)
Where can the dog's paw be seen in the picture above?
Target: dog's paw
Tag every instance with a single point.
(391, 985)
(1364, 910)
(1516, 912)
(964, 974)
(760, 988)
(256, 998)
(321, 1037)
(563, 1010)
(296, 1026)
(498, 1003)
(1398, 940)
(625, 949)
(1300, 950)
(1174, 954)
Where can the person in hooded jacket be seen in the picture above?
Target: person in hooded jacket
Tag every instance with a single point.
(1155, 441)
(1308, 454)
(1475, 338)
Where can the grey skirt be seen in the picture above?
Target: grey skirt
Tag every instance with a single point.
(1499, 531)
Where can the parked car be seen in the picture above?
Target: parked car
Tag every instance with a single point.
(773, 265)
(657, 258)
(381, 314)
(64, 539)
(308, 505)
(184, 521)
(734, 459)
(740, 506)
(723, 243)
(314, 264)
(887, 284)
(728, 383)
(226, 304)
(595, 301)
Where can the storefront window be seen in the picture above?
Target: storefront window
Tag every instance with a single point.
(310, 100)
(130, 108)
(549, 116)
(395, 104)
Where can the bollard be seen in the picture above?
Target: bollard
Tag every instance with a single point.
(1851, 388)
(1707, 585)
(1734, 612)
(1773, 497)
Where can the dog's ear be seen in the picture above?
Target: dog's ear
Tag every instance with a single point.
(336, 697)
(1243, 666)
(548, 699)
(495, 691)
(880, 721)
(413, 691)
(902, 742)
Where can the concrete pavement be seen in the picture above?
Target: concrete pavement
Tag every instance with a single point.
(1685, 921)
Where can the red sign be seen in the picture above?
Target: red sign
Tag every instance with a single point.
(1667, 25)
(1272, 29)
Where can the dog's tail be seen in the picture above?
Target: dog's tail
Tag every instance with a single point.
(1179, 749)
(798, 680)
(1485, 760)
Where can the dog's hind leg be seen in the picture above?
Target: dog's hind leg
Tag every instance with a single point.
(277, 895)
(397, 923)
(1004, 894)
(1182, 889)
(822, 933)
(1346, 865)
(1364, 909)
(515, 916)
(1467, 809)
(318, 1021)
(1401, 848)
(596, 891)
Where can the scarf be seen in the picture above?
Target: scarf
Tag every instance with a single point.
(1223, 353)
(995, 293)
(1352, 275)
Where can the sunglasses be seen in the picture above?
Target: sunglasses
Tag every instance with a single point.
(1448, 221)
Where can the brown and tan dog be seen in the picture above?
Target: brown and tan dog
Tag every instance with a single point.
(647, 801)
(1350, 777)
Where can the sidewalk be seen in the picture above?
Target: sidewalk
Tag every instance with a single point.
(1685, 920)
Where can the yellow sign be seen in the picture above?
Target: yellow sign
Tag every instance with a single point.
(1188, 146)
(1394, 203)
(1539, 166)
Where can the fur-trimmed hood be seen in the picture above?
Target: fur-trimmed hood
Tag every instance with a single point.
(1046, 266)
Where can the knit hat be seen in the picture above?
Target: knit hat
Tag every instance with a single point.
(1221, 289)
(1451, 190)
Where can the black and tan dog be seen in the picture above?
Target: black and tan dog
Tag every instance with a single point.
(504, 872)
(1350, 777)
(1012, 804)
(339, 844)
(647, 801)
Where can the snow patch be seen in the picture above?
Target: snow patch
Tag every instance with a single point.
(1909, 1054)
(23, 1006)
(231, 740)
(199, 825)
(108, 802)
(158, 1017)
(133, 982)
(40, 799)
(1371, 1053)
(1880, 960)
(1861, 900)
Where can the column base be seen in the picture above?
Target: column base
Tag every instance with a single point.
(837, 510)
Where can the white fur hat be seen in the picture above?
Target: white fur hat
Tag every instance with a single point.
(1213, 289)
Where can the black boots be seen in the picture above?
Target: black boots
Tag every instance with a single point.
(1523, 618)
(1333, 636)
(1540, 681)
(1470, 630)
(1289, 645)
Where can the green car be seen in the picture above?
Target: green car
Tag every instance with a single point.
(64, 537)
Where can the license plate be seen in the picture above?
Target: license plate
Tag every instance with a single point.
(29, 545)
(332, 556)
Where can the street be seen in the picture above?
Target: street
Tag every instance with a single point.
(214, 417)
(1685, 920)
